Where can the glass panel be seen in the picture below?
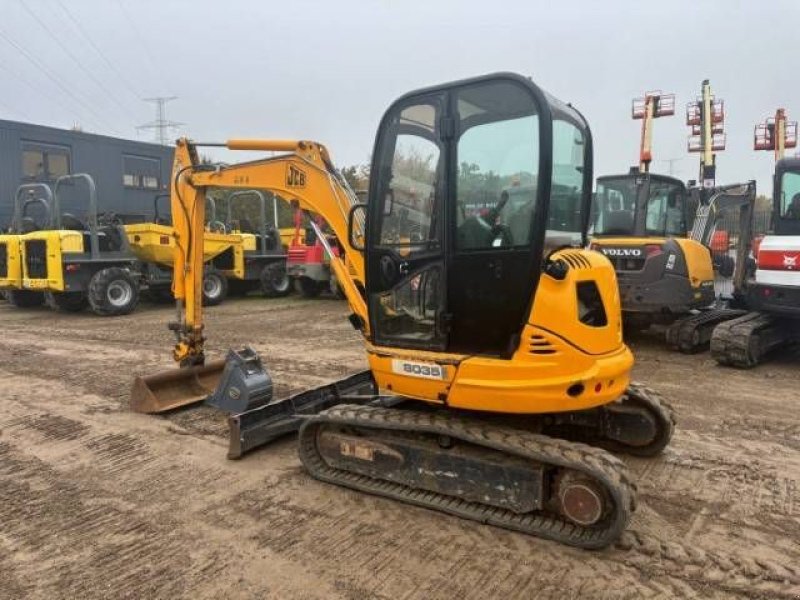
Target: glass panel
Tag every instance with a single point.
(33, 164)
(497, 160)
(408, 311)
(665, 210)
(419, 115)
(410, 202)
(790, 196)
(57, 165)
(614, 207)
(496, 185)
(564, 221)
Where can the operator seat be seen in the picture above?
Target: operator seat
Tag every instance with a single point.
(72, 223)
(618, 222)
(793, 212)
(29, 225)
(246, 226)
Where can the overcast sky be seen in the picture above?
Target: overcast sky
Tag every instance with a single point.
(327, 70)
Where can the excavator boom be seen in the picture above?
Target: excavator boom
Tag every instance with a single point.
(302, 173)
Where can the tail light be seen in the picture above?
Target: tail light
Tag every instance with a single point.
(653, 250)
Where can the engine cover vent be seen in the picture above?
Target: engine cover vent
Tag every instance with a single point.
(541, 346)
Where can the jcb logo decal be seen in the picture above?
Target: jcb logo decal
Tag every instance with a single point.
(295, 178)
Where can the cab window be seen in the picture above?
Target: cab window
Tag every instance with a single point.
(614, 207)
(411, 198)
(564, 221)
(790, 195)
(497, 158)
(665, 209)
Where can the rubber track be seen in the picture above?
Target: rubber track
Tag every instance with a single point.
(680, 335)
(665, 414)
(597, 463)
(732, 342)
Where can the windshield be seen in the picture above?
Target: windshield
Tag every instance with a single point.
(790, 195)
(615, 204)
(614, 207)
(564, 222)
(665, 209)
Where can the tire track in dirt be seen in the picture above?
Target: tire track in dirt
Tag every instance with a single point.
(351, 544)
(104, 514)
(76, 533)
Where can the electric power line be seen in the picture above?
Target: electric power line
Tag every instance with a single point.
(99, 52)
(39, 92)
(670, 162)
(138, 33)
(12, 110)
(36, 63)
(77, 61)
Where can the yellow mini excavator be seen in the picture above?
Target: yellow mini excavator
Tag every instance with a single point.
(498, 379)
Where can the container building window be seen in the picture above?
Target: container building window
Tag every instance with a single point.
(44, 162)
(141, 172)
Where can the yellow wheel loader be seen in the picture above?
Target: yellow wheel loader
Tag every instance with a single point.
(26, 196)
(258, 260)
(497, 377)
(79, 264)
(155, 244)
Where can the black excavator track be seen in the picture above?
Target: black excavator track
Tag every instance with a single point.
(640, 423)
(552, 488)
(639, 396)
(692, 334)
(742, 342)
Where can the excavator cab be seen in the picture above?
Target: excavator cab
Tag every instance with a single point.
(462, 206)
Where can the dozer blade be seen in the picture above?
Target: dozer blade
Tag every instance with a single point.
(175, 388)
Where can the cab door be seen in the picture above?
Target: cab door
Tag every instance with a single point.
(500, 214)
(406, 275)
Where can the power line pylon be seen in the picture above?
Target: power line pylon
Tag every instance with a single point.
(161, 125)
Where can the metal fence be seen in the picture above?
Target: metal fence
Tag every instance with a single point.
(724, 243)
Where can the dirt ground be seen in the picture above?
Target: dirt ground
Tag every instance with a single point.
(97, 502)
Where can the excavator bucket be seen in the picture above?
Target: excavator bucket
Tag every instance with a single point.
(175, 388)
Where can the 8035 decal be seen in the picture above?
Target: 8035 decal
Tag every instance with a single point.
(418, 369)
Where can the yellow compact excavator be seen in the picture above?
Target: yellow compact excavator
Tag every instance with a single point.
(498, 379)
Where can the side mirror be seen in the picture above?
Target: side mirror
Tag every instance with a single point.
(357, 226)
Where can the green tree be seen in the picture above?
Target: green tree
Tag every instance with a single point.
(357, 176)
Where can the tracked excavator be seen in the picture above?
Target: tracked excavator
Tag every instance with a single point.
(498, 380)
(773, 294)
